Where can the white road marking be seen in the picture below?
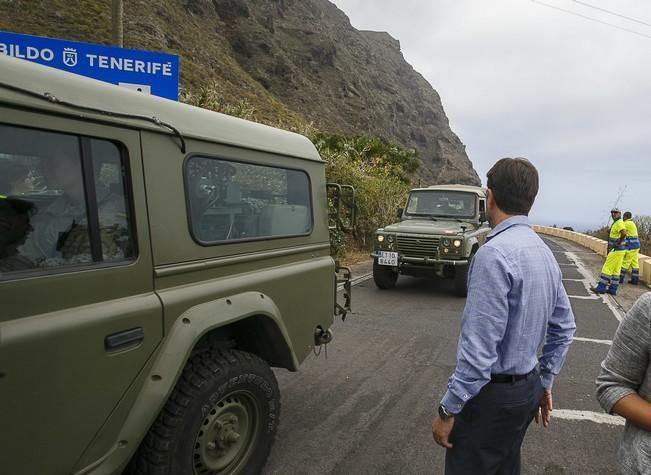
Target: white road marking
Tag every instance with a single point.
(587, 279)
(598, 417)
(361, 278)
(593, 340)
(575, 252)
(584, 297)
(615, 310)
(590, 416)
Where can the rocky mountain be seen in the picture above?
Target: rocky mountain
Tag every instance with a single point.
(291, 59)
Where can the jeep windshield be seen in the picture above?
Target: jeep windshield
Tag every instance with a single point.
(441, 204)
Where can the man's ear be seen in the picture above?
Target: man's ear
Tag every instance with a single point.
(490, 199)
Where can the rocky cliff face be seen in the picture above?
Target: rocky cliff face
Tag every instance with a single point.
(284, 56)
(307, 53)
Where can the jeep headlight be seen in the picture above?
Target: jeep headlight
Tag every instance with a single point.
(446, 242)
(457, 243)
(380, 238)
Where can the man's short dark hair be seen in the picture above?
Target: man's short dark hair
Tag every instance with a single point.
(628, 215)
(514, 184)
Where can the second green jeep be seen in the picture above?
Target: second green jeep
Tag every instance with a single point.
(440, 229)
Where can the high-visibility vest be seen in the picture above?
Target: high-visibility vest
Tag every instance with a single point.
(632, 239)
(615, 236)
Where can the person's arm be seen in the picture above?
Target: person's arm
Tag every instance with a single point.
(634, 409)
(482, 327)
(622, 237)
(625, 367)
(560, 331)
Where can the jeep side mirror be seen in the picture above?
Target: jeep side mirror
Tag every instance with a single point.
(399, 212)
(482, 212)
(341, 207)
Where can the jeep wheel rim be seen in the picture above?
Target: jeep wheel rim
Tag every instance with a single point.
(225, 435)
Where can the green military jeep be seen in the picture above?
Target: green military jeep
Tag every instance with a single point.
(156, 260)
(439, 231)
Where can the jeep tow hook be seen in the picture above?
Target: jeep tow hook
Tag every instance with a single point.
(321, 336)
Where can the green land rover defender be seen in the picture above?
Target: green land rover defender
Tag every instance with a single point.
(439, 231)
(156, 259)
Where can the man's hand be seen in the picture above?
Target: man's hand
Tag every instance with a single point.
(544, 411)
(441, 431)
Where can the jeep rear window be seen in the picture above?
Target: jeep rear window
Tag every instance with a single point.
(441, 203)
(63, 201)
(233, 201)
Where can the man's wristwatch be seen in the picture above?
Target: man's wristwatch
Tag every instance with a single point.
(444, 414)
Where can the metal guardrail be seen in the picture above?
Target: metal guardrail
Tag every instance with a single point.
(597, 245)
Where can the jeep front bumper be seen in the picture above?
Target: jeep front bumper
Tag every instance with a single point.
(428, 261)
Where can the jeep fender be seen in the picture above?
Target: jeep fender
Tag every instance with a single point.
(164, 372)
(471, 243)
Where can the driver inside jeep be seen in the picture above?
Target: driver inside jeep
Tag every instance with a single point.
(60, 228)
(15, 215)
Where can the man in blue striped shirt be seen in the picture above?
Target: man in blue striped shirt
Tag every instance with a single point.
(516, 302)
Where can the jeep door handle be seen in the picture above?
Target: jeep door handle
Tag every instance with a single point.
(124, 338)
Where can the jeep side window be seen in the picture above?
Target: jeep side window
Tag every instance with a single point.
(230, 200)
(62, 201)
(111, 192)
(412, 205)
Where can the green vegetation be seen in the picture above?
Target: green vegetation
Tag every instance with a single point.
(213, 97)
(643, 229)
(380, 172)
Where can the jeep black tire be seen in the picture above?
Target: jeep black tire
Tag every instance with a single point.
(220, 419)
(461, 281)
(384, 276)
(461, 278)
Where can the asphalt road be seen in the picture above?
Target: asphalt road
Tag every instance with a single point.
(368, 407)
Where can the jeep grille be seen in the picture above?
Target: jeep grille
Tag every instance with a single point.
(418, 246)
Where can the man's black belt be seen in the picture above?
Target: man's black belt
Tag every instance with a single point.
(511, 378)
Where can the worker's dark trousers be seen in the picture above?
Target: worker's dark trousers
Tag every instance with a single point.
(488, 432)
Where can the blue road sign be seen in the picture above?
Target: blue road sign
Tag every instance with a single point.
(153, 73)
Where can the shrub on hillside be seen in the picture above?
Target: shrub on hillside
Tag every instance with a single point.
(644, 231)
(601, 233)
(209, 97)
(373, 154)
(381, 174)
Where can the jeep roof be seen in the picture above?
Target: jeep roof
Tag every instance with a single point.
(115, 104)
(467, 188)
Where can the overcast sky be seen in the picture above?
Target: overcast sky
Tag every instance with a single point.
(520, 79)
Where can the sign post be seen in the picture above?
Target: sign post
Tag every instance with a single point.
(117, 12)
(144, 71)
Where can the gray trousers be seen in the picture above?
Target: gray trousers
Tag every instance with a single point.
(488, 432)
